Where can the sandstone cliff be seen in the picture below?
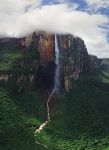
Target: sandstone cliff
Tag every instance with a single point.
(37, 63)
(74, 58)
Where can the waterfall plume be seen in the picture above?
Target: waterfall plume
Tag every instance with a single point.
(56, 79)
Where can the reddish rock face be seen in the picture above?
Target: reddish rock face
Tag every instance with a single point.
(64, 42)
(74, 57)
(44, 43)
(46, 48)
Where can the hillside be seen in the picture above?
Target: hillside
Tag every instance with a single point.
(79, 113)
(81, 118)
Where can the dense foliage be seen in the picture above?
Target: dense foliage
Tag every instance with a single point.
(81, 120)
(18, 120)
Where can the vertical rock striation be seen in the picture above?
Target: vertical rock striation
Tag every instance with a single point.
(73, 58)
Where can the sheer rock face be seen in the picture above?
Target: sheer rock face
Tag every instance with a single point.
(73, 59)
(46, 48)
(43, 43)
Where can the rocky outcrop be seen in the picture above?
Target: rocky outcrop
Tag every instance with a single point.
(18, 64)
(105, 63)
(74, 59)
(95, 62)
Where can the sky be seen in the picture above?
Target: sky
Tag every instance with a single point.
(88, 19)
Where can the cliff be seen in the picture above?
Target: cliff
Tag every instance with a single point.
(18, 65)
(74, 58)
(95, 62)
(36, 59)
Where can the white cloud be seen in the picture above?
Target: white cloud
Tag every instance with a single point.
(17, 6)
(15, 21)
(96, 4)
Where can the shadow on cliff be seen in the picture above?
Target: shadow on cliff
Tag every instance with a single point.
(46, 76)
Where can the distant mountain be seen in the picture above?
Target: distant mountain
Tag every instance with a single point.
(95, 61)
(105, 61)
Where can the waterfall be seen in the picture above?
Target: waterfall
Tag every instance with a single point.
(55, 90)
(56, 79)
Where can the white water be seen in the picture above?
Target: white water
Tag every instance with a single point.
(48, 114)
(47, 121)
(55, 90)
(56, 80)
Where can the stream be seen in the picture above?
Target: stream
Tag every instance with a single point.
(48, 114)
(41, 127)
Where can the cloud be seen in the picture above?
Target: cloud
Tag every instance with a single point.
(97, 4)
(19, 18)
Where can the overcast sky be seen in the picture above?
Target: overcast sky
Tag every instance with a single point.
(88, 19)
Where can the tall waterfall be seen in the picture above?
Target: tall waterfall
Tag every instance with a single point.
(56, 80)
(55, 90)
